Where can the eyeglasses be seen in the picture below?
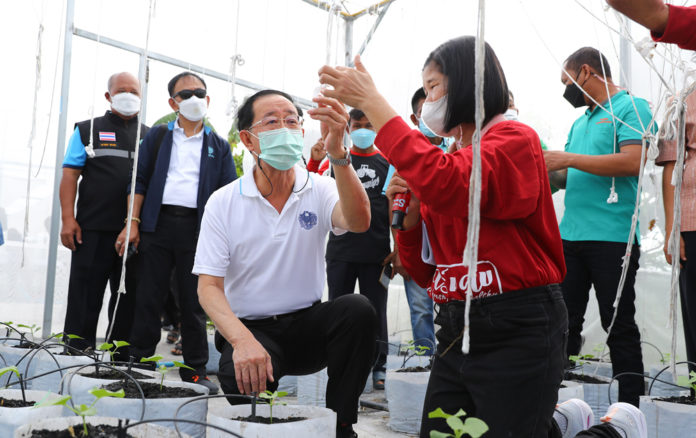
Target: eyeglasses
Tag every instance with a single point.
(186, 94)
(274, 122)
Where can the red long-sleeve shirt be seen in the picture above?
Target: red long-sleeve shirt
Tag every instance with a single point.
(681, 27)
(519, 242)
(317, 166)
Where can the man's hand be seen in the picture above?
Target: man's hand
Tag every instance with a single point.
(134, 238)
(682, 251)
(334, 119)
(252, 366)
(318, 151)
(70, 233)
(399, 185)
(556, 160)
(652, 14)
(395, 260)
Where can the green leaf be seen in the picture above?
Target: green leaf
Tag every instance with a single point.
(475, 427)
(182, 365)
(281, 393)
(12, 369)
(74, 337)
(267, 395)
(438, 413)
(101, 392)
(120, 344)
(105, 346)
(455, 423)
(86, 411)
(150, 359)
(53, 402)
(437, 434)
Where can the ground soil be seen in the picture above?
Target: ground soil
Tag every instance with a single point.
(108, 374)
(266, 420)
(681, 400)
(413, 369)
(151, 390)
(14, 403)
(582, 378)
(96, 431)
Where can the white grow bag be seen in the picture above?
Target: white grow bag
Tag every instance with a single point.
(660, 389)
(597, 396)
(311, 389)
(668, 420)
(405, 396)
(12, 418)
(62, 423)
(320, 422)
(571, 390)
(43, 362)
(77, 385)
(160, 408)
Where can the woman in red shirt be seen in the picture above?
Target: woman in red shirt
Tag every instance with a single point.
(518, 321)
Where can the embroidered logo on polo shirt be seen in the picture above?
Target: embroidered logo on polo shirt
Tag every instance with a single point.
(308, 220)
(604, 120)
(211, 152)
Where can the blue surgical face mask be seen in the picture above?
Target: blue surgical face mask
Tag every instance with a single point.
(425, 130)
(363, 138)
(281, 148)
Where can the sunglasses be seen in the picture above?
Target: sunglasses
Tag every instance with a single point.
(186, 94)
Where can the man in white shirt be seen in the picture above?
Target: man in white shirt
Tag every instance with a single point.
(260, 261)
(181, 164)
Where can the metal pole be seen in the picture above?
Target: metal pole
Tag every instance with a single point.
(349, 40)
(60, 151)
(384, 10)
(625, 51)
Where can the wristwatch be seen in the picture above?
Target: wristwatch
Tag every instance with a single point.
(339, 161)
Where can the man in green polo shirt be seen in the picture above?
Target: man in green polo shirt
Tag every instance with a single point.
(602, 156)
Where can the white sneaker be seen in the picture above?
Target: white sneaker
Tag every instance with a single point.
(576, 415)
(628, 419)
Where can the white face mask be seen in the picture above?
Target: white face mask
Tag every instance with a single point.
(511, 114)
(194, 108)
(433, 115)
(125, 103)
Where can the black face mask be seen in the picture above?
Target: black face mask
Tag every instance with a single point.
(574, 94)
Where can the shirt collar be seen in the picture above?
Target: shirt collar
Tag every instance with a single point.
(180, 130)
(303, 182)
(605, 104)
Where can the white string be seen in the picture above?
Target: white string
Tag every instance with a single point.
(89, 149)
(126, 244)
(32, 134)
(472, 234)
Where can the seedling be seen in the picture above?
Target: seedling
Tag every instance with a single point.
(688, 381)
(273, 399)
(83, 410)
(162, 368)
(19, 377)
(32, 329)
(413, 350)
(472, 426)
(580, 360)
(666, 358)
(112, 348)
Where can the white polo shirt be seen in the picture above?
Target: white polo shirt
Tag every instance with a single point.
(181, 185)
(272, 263)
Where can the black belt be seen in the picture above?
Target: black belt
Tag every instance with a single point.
(278, 317)
(177, 210)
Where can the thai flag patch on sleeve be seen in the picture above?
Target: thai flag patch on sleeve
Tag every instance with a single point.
(107, 136)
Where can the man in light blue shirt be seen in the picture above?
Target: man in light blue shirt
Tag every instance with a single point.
(603, 158)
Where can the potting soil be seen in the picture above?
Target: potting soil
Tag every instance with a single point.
(582, 378)
(151, 390)
(108, 374)
(418, 369)
(267, 420)
(683, 400)
(11, 403)
(99, 431)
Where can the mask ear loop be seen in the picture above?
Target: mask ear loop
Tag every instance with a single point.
(307, 179)
(258, 163)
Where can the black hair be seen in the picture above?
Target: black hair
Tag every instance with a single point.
(417, 97)
(175, 79)
(591, 57)
(355, 114)
(245, 114)
(455, 59)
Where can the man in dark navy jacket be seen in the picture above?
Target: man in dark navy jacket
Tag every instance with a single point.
(181, 164)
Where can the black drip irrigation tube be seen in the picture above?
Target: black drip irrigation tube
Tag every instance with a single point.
(653, 379)
(252, 398)
(121, 432)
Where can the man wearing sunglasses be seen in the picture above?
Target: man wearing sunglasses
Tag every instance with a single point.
(181, 164)
(260, 261)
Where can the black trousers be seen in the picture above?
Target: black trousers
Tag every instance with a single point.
(172, 245)
(338, 334)
(341, 277)
(598, 264)
(511, 376)
(688, 296)
(93, 263)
